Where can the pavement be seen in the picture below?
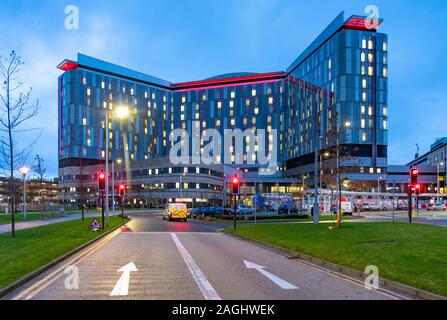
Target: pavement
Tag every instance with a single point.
(156, 259)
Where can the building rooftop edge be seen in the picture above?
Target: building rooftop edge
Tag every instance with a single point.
(88, 62)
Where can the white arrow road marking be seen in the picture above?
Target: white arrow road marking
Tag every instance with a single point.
(280, 282)
(122, 286)
(205, 287)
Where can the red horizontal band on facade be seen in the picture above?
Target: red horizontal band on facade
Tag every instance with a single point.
(362, 23)
(262, 77)
(68, 65)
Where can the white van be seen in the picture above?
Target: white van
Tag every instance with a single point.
(177, 211)
(347, 207)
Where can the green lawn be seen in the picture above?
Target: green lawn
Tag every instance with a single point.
(414, 254)
(6, 219)
(33, 248)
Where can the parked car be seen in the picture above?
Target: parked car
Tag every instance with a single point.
(244, 209)
(371, 207)
(285, 209)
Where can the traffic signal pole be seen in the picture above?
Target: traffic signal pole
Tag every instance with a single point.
(410, 209)
(102, 208)
(234, 211)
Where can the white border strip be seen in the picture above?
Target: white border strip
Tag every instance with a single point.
(205, 287)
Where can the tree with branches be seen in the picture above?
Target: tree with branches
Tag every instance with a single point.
(16, 108)
(40, 169)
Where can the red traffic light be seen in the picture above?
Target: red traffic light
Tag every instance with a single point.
(122, 189)
(418, 186)
(102, 181)
(414, 173)
(235, 187)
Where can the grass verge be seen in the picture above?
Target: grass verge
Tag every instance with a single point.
(411, 254)
(33, 248)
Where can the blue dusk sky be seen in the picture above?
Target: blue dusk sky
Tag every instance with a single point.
(193, 39)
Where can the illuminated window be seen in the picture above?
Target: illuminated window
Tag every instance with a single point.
(363, 136)
(364, 44)
(362, 123)
(219, 105)
(370, 71)
(131, 91)
(370, 44)
(385, 72)
(370, 57)
(204, 97)
(84, 80)
(232, 94)
(88, 91)
(385, 111)
(145, 94)
(197, 116)
(364, 96)
(362, 109)
(103, 85)
(247, 102)
(231, 104)
(370, 111)
(364, 83)
(385, 124)
(385, 47)
(217, 123)
(270, 100)
(232, 122)
(182, 108)
(183, 99)
(84, 121)
(253, 92)
(362, 72)
(256, 110)
(362, 57)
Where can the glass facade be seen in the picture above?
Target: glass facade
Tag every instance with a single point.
(340, 79)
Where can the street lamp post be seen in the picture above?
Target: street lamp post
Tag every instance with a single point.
(437, 182)
(346, 125)
(24, 171)
(122, 112)
(378, 184)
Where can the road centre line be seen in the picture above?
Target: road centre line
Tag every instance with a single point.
(205, 287)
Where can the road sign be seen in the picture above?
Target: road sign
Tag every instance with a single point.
(94, 226)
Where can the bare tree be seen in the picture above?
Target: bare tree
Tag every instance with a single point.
(40, 169)
(15, 109)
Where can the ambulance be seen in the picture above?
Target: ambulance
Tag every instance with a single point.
(175, 211)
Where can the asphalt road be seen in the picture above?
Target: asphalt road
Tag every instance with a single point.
(178, 260)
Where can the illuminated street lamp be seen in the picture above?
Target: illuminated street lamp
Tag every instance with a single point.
(24, 171)
(347, 124)
(437, 182)
(121, 113)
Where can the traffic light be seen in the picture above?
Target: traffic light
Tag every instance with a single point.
(102, 180)
(418, 188)
(122, 189)
(414, 173)
(235, 186)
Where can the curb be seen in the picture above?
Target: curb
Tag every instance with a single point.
(348, 272)
(15, 285)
